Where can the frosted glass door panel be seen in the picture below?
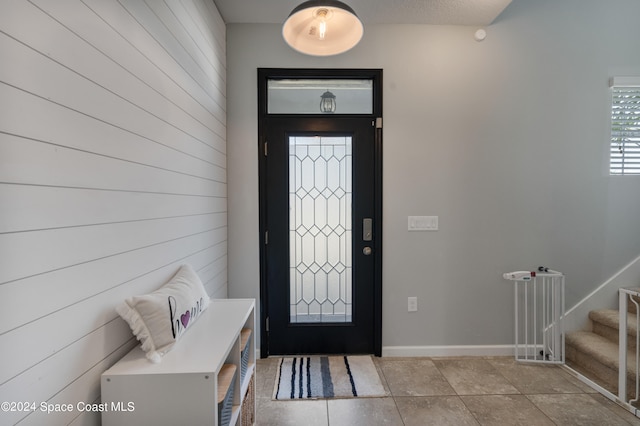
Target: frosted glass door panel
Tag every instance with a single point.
(320, 195)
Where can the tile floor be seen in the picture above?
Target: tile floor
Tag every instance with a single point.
(450, 391)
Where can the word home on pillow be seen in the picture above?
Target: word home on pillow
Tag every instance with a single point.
(158, 319)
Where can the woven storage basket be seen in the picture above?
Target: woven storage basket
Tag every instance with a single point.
(249, 403)
(226, 383)
(245, 336)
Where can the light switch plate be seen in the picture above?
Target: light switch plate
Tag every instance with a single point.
(412, 304)
(423, 223)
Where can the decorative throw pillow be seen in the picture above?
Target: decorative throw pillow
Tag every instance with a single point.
(158, 319)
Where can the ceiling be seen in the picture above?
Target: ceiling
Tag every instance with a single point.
(436, 12)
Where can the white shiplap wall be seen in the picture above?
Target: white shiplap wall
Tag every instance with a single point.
(112, 174)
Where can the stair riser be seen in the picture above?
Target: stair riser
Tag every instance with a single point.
(613, 334)
(604, 375)
(631, 307)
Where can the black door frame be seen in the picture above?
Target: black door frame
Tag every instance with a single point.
(264, 74)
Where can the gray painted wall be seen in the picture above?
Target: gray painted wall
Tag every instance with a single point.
(505, 140)
(112, 174)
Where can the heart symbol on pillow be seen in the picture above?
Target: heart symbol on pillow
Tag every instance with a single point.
(184, 318)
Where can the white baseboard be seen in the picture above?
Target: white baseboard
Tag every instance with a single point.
(444, 351)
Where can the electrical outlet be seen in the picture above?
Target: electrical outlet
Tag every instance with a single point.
(412, 304)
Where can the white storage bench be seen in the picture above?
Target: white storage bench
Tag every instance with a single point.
(183, 389)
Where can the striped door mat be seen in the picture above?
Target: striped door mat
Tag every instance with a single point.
(316, 377)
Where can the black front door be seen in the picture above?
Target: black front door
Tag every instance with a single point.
(320, 187)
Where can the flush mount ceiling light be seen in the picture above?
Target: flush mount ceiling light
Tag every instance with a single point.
(322, 28)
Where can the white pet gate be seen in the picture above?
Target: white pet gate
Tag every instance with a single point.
(539, 311)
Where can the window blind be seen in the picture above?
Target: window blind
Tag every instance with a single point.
(625, 127)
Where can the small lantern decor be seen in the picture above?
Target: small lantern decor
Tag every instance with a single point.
(328, 102)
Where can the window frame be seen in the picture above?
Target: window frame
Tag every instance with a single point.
(619, 129)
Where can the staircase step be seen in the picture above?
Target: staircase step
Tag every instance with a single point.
(631, 307)
(606, 322)
(599, 355)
